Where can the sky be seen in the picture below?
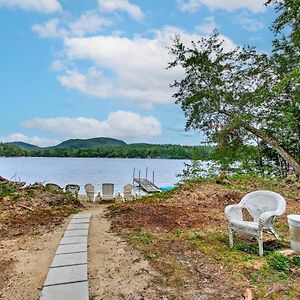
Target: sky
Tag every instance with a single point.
(91, 68)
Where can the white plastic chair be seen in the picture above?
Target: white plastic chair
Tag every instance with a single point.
(108, 192)
(263, 206)
(90, 191)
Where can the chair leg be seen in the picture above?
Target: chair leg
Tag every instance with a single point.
(260, 240)
(230, 232)
(272, 230)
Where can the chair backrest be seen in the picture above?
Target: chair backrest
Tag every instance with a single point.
(128, 191)
(53, 187)
(259, 202)
(90, 191)
(108, 189)
(89, 188)
(73, 188)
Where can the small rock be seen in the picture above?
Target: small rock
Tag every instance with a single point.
(274, 288)
(287, 252)
(248, 294)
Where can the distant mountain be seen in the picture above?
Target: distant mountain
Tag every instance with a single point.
(24, 146)
(89, 143)
(107, 147)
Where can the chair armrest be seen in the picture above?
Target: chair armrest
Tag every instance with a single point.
(266, 218)
(234, 212)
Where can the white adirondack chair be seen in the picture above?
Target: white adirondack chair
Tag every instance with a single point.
(73, 188)
(53, 187)
(263, 206)
(128, 196)
(108, 192)
(90, 191)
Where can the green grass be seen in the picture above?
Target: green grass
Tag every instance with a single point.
(243, 259)
(7, 189)
(140, 237)
(296, 261)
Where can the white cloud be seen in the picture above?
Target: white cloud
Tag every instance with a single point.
(133, 10)
(256, 6)
(34, 140)
(136, 67)
(247, 22)
(119, 124)
(89, 22)
(48, 30)
(207, 26)
(43, 6)
(57, 65)
(94, 83)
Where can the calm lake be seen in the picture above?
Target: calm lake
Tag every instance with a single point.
(89, 170)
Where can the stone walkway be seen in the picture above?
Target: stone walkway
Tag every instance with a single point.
(67, 277)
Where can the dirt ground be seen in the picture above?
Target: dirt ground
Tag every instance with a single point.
(164, 247)
(25, 263)
(32, 221)
(116, 271)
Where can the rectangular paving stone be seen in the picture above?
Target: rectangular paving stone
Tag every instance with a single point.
(68, 274)
(71, 248)
(78, 226)
(79, 221)
(73, 240)
(82, 216)
(69, 259)
(71, 291)
(83, 232)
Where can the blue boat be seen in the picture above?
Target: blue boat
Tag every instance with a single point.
(167, 188)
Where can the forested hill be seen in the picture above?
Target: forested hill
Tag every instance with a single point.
(24, 146)
(74, 144)
(90, 143)
(116, 151)
(9, 150)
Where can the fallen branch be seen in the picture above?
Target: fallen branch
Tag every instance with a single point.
(26, 207)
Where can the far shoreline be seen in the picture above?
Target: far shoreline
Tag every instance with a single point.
(141, 158)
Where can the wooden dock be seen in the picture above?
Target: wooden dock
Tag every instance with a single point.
(146, 185)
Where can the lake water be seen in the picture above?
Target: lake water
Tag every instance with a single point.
(80, 171)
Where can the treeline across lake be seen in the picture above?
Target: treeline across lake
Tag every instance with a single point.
(126, 151)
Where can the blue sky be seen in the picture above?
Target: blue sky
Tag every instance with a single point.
(81, 69)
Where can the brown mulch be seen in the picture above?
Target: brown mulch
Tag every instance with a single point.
(189, 207)
(186, 208)
(28, 209)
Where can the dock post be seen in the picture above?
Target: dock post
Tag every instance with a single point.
(146, 173)
(133, 176)
(139, 182)
(153, 177)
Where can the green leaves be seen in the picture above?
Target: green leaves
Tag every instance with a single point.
(240, 97)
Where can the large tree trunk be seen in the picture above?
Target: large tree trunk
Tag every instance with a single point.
(274, 144)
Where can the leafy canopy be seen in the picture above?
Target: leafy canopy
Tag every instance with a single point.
(232, 95)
